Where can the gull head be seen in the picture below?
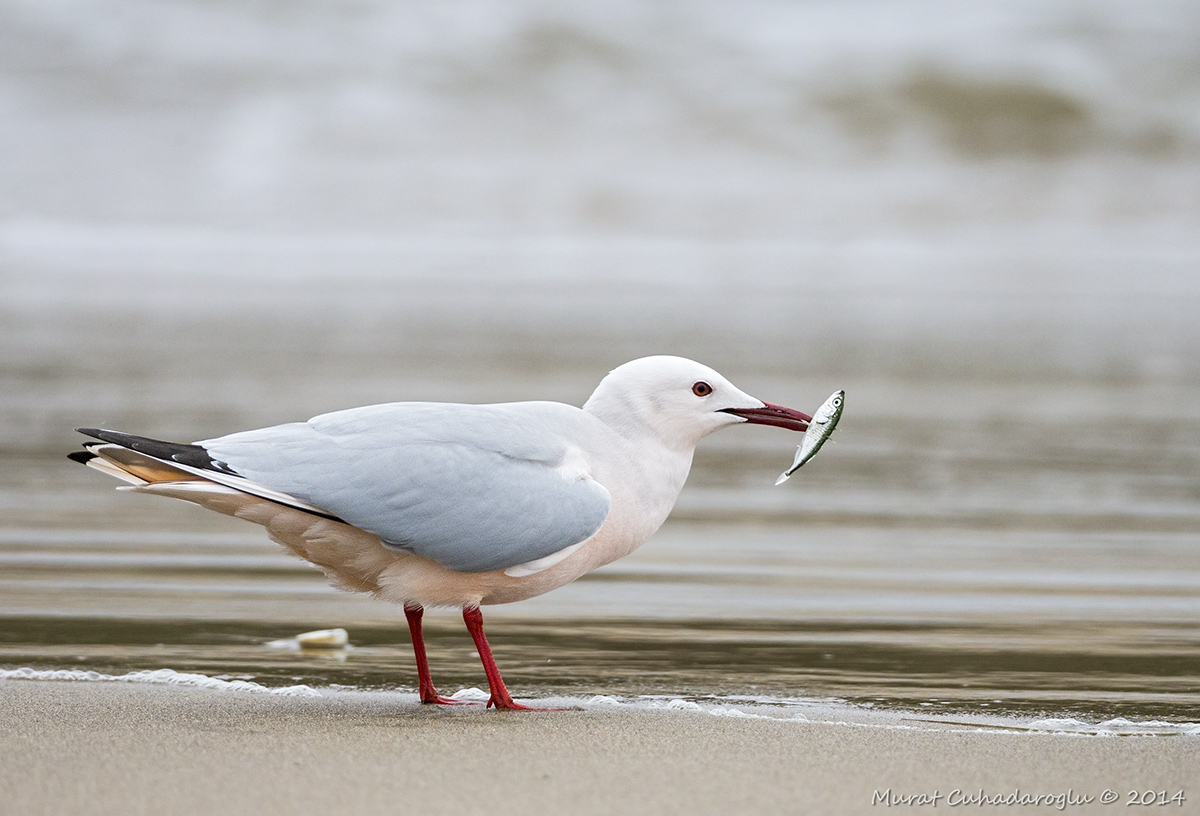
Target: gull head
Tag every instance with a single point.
(680, 401)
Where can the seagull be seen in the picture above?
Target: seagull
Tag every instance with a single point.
(451, 505)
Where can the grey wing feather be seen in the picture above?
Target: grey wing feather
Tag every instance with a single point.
(475, 488)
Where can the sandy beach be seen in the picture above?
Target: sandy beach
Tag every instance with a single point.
(128, 748)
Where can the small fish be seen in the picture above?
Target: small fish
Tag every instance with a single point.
(821, 428)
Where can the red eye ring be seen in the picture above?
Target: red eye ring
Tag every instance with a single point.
(702, 389)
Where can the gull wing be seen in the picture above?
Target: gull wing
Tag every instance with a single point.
(473, 487)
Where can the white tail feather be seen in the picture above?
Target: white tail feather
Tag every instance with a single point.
(130, 465)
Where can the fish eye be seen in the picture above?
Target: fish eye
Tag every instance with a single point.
(702, 389)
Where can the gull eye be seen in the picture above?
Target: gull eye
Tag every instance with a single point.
(702, 389)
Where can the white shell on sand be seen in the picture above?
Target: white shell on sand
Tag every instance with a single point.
(323, 639)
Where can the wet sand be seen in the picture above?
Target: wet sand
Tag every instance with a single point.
(115, 748)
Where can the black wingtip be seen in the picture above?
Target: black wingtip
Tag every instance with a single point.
(82, 457)
(193, 455)
(115, 437)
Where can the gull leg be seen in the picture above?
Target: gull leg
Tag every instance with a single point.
(429, 694)
(500, 696)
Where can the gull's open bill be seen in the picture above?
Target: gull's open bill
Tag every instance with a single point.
(819, 429)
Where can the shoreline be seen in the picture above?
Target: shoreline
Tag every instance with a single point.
(830, 711)
(113, 747)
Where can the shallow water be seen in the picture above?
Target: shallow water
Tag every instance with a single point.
(1010, 674)
(1016, 568)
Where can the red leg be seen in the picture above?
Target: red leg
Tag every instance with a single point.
(500, 696)
(429, 694)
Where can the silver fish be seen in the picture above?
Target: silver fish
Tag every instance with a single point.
(821, 428)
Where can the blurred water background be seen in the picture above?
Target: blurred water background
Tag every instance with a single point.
(981, 220)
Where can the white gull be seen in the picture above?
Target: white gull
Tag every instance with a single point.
(440, 504)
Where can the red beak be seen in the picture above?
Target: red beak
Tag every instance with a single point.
(775, 415)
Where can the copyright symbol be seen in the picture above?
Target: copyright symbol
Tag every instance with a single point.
(1108, 797)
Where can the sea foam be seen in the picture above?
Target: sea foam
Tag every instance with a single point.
(162, 677)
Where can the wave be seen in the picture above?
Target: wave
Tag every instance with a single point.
(390, 111)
